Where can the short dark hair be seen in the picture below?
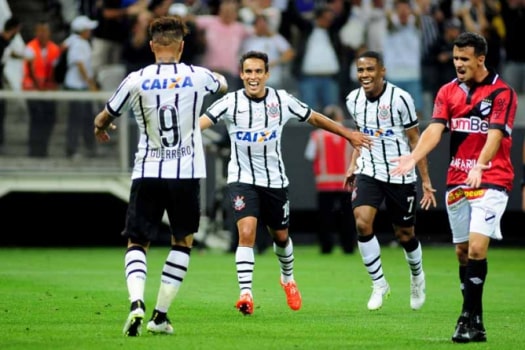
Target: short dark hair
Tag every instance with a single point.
(373, 54)
(167, 29)
(321, 10)
(11, 23)
(475, 40)
(255, 54)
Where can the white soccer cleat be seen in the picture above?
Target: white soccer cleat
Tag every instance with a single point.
(379, 293)
(417, 291)
(164, 327)
(134, 323)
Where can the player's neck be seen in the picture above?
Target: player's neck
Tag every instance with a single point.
(167, 59)
(482, 75)
(167, 56)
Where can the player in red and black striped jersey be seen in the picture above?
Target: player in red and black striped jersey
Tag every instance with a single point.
(478, 108)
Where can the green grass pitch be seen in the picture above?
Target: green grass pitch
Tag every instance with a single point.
(77, 299)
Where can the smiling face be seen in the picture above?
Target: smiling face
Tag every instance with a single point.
(469, 66)
(371, 76)
(254, 76)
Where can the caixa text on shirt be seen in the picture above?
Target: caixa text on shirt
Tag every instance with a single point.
(170, 153)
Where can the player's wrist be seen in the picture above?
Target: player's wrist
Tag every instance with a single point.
(100, 128)
(479, 167)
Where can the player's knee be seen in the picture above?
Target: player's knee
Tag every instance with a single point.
(462, 253)
(363, 227)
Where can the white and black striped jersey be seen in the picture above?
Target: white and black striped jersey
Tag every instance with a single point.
(255, 128)
(385, 119)
(166, 100)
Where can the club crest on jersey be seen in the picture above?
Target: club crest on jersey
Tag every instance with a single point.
(164, 84)
(273, 110)
(383, 112)
(238, 203)
(485, 107)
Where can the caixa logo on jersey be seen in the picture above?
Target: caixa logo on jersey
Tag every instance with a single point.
(378, 132)
(162, 84)
(471, 125)
(259, 136)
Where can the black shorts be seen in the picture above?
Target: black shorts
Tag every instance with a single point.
(148, 200)
(400, 199)
(271, 205)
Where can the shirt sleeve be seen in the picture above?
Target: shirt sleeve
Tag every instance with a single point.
(119, 102)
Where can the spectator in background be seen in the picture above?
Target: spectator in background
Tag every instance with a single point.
(523, 175)
(331, 157)
(40, 56)
(80, 77)
(136, 52)
(159, 8)
(317, 64)
(252, 8)
(431, 18)
(483, 17)
(11, 27)
(195, 43)
(513, 13)
(224, 38)
(402, 50)
(278, 49)
(442, 54)
(112, 31)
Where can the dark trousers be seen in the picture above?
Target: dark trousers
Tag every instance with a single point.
(336, 215)
(2, 120)
(42, 117)
(80, 124)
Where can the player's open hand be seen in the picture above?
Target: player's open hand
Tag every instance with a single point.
(429, 197)
(405, 164)
(358, 140)
(102, 134)
(474, 175)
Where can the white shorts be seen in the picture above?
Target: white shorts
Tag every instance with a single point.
(475, 210)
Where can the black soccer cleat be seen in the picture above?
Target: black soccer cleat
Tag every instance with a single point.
(477, 330)
(462, 332)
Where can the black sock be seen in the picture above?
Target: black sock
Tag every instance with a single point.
(474, 282)
(158, 316)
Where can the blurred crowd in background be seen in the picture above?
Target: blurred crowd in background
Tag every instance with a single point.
(307, 40)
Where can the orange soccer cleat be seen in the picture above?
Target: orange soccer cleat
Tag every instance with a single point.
(293, 296)
(245, 304)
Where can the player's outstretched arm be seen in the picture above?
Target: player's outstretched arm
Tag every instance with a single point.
(356, 138)
(427, 142)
